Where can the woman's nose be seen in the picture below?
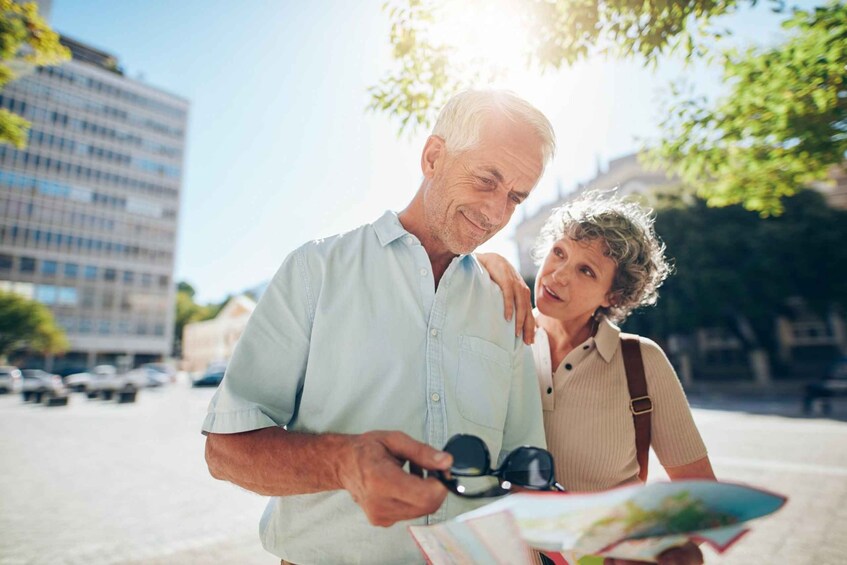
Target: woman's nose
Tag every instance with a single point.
(560, 275)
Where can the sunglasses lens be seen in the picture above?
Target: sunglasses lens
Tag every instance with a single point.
(529, 467)
(470, 456)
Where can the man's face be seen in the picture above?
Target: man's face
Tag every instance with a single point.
(473, 194)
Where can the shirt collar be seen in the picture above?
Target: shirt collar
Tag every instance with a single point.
(607, 338)
(388, 228)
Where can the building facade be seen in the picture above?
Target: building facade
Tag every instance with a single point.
(213, 341)
(89, 210)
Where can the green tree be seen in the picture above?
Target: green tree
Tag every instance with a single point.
(559, 33)
(188, 311)
(25, 41)
(27, 324)
(736, 270)
(781, 125)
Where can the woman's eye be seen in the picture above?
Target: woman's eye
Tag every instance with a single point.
(588, 272)
(558, 253)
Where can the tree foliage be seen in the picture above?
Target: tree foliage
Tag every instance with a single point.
(560, 33)
(734, 268)
(188, 311)
(27, 324)
(781, 125)
(25, 41)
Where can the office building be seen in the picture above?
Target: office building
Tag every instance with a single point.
(89, 210)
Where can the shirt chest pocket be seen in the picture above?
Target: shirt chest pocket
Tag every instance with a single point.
(483, 382)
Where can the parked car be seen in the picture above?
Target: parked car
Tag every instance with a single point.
(107, 383)
(833, 384)
(146, 376)
(164, 368)
(212, 377)
(40, 385)
(10, 379)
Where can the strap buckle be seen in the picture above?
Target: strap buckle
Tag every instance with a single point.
(647, 405)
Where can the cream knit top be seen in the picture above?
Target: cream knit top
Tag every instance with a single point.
(586, 411)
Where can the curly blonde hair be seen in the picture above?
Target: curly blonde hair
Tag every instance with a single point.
(629, 238)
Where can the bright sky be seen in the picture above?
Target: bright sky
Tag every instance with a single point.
(280, 147)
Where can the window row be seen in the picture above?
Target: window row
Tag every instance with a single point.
(31, 85)
(84, 326)
(64, 191)
(69, 270)
(59, 143)
(46, 239)
(21, 208)
(67, 75)
(38, 113)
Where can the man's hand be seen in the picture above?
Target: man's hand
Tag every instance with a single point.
(516, 295)
(372, 471)
(688, 554)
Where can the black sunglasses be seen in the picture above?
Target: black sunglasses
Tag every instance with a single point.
(527, 467)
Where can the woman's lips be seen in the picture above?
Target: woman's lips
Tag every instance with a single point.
(550, 293)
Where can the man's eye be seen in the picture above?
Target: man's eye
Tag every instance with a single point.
(516, 199)
(487, 181)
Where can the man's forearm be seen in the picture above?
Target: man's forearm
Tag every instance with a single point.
(275, 462)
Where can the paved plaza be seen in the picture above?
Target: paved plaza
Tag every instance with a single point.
(96, 482)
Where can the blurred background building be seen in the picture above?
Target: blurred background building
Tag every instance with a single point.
(212, 342)
(89, 210)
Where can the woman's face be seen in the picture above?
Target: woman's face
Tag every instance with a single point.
(574, 280)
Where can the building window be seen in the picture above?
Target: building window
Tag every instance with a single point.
(49, 268)
(105, 327)
(71, 270)
(67, 296)
(163, 281)
(27, 265)
(90, 272)
(109, 274)
(85, 325)
(146, 279)
(129, 277)
(5, 262)
(87, 297)
(45, 293)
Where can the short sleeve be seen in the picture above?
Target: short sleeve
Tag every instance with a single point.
(524, 422)
(675, 437)
(265, 374)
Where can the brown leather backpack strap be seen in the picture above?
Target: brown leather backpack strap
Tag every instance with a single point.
(639, 401)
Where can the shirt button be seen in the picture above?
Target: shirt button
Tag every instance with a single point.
(568, 366)
(549, 390)
(433, 332)
(423, 272)
(435, 397)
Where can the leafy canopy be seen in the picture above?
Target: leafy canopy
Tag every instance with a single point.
(27, 324)
(781, 125)
(26, 41)
(545, 34)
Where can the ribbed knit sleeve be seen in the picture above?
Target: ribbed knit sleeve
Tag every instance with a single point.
(675, 440)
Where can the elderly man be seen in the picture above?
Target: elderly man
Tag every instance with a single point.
(371, 348)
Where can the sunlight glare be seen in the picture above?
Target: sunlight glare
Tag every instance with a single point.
(488, 38)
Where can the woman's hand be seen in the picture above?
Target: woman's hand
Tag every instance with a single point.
(688, 554)
(516, 294)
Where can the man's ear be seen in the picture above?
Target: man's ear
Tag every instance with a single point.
(433, 152)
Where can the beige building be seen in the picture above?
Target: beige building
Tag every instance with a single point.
(213, 341)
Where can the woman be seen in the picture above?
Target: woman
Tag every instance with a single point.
(600, 260)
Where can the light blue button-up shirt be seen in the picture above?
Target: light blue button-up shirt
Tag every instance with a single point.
(351, 336)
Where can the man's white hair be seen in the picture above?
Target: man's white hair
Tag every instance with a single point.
(461, 119)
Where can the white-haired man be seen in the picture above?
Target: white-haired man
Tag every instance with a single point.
(372, 348)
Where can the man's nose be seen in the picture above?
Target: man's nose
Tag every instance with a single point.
(495, 211)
